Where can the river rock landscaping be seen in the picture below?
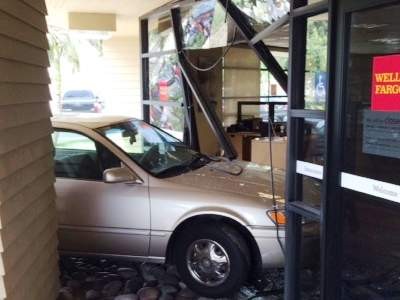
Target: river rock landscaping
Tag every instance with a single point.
(87, 278)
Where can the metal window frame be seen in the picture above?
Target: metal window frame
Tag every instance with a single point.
(190, 88)
(271, 108)
(296, 209)
(190, 125)
(256, 43)
(209, 112)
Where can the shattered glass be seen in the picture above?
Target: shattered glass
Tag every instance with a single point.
(262, 13)
(205, 26)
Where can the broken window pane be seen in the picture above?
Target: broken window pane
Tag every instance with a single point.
(262, 13)
(165, 79)
(161, 36)
(170, 118)
(204, 26)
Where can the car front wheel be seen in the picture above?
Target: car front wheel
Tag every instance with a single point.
(212, 260)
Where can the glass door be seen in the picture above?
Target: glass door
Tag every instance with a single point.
(308, 94)
(367, 159)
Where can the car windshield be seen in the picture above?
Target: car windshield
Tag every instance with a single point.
(153, 149)
(79, 94)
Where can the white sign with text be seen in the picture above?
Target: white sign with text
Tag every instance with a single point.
(309, 169)
(372, 187)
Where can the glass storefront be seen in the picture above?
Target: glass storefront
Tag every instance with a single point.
(344, 117)
(316, 62)
(371, 245)
(169, 118)
(263, 13)
(204, 26)
(164, 95)
(161, 36)
(165, 79)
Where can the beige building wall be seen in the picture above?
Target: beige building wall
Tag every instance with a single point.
(122, 75)
(210, 85)
(28, 242)
(242, 80)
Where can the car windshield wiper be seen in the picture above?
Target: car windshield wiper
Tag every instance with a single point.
(198, 161)
(174, 170)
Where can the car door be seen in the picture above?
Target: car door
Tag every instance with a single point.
(97, 217)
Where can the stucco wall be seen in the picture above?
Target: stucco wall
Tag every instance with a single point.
(122, 75)
(28, 242)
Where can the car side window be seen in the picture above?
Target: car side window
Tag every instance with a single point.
(76, 156)
(107, 159)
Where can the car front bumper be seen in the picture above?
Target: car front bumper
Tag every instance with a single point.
(271, 252)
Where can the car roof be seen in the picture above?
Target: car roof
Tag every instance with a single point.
(88, 121)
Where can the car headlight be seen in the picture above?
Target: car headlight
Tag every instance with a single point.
(277, 216)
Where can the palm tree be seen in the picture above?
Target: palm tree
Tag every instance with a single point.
(61, 48)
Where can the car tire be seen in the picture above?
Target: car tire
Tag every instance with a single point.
(213, 260)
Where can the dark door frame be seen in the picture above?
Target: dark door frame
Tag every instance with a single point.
(331, 212)
(336, 116)
(296, 208)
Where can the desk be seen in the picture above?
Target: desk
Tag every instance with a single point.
(260, 152)
(242, 143)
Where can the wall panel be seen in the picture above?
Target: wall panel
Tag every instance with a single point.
(28, 222)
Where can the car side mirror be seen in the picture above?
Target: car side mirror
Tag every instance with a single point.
(119, 175)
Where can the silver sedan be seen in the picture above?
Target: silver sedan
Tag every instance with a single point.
(128, 189)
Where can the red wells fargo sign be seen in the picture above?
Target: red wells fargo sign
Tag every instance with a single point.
(386, 83)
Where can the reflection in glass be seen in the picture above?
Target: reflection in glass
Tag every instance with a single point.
(165, 79)
(312, 191)
(204, 26)
(279, 38)
(168, 118)
(314, 141)
(161, 36)
(371, 243)
(262, 13)
(281, 113)
(316, 62)
(310, 272)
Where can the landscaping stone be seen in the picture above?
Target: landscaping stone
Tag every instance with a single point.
(112, 288)
(112, 279)
(133, 285)
(92, 295)
(166, 297)
(169, 279)
(127, 297)
(148, 293)
(146, 272)
(73, 284)
(185, 294)
(157, 271)
(152, 283)
(168, 289)
(127, 273)
(66, 294)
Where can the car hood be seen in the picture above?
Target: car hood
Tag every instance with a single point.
(237, 177)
